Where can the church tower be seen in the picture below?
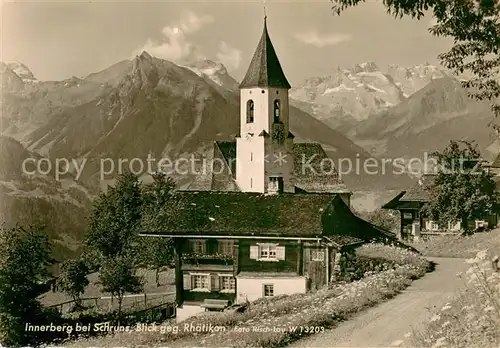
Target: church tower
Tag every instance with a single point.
(264, 146)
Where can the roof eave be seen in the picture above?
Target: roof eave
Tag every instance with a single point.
(226, 235)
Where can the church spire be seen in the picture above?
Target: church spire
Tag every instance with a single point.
(265, 69)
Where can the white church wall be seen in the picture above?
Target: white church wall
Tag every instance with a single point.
(250, 163)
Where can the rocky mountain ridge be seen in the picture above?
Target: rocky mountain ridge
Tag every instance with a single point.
(143, 107)
(349, 96)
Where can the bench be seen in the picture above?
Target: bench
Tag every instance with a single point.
(215, 304)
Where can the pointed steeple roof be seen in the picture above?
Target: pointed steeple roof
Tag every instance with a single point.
(265, 69)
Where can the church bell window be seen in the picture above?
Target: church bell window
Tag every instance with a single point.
(276, 110)
(250, 107)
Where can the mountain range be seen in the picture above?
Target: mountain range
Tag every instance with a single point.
(426, 121)
(349, 96)
(151, 107)
(140, 107)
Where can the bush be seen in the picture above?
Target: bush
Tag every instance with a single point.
(399, 256)
(374, 257)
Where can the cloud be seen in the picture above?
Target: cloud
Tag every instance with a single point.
(322, 40)
(191, 23)
(432, 21)
(229, 56)
(175, 45)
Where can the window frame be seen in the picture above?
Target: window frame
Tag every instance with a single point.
(195, 276)
(226, 246)
(314, 255)
(268, 248)
(276, 183)
(232, 283)
(264, 288)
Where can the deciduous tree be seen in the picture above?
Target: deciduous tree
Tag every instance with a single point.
(118, 276)
(25, 255)
(462, 189)
(159, 205)
(73, 280)
(115, 217)
(383, 218)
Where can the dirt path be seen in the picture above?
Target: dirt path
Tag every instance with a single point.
(388, 324)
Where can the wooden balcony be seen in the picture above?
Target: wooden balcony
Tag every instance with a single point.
(207, 259)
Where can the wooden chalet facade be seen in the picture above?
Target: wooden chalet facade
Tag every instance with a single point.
(234, 247)
(414, 222)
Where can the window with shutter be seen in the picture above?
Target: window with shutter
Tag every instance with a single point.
(186, 282)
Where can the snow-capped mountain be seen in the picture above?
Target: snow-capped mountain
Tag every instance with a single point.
(215, 72)
(351, 95)
(22, 71)
(412, 79)
(426, 121)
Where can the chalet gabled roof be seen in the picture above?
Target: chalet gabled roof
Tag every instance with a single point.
(247, 213)
(265, 69)
(414, 196)
(419, 192)
(394, 203)
(236, 214)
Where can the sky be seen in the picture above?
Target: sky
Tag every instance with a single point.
(60, 39)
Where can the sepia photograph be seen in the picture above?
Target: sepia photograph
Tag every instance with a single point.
(250, 173)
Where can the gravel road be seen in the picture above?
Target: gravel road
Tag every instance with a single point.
(389, 324)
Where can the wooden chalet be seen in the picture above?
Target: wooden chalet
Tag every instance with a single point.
(234, 247)
(414, 222)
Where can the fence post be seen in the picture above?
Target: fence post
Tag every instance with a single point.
(145, 300)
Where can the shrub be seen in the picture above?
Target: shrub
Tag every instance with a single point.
(375, 257)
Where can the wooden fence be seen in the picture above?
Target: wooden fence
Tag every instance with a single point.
(440, 233)
(131, 302)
